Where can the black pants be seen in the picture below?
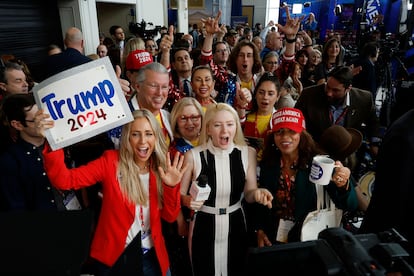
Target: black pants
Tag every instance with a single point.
(133, 262)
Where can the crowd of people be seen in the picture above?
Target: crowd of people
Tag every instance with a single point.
(246, 108)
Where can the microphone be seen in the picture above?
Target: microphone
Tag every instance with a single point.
(200, 190)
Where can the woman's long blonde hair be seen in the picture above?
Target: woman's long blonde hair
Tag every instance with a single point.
(211, 111)
(128, 170)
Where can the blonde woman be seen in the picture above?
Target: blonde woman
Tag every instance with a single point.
(218, 236)
(140, 185)
(186, 119)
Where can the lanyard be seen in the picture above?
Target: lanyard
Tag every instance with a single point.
(141, 218)
(340, 119)
(287, 180)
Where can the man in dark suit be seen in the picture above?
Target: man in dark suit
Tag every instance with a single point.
(337, 102)
(391, 204)
(367, 78)
(72, 56)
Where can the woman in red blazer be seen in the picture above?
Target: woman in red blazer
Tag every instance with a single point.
(139, 186)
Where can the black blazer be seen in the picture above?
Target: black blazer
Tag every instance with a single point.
(315, 107)
(67, 59)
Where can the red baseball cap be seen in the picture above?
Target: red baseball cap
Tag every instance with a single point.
(137, 59)
(290, 118)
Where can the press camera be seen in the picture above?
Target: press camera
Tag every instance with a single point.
(336, 252)
(140, 29)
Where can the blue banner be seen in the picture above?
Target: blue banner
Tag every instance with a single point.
(373, 12)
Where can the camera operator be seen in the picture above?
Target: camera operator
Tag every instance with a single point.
(367, 77)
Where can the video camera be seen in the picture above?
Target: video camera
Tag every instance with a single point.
(140, 29)
(389, 46)
(336, 252)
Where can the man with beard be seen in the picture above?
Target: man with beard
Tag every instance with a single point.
(337, 102)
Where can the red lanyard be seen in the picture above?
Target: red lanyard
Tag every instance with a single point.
(288, 196)
(339, 120)
(286, 177)
(141, 217)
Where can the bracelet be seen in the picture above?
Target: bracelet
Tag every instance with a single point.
(293, 40)
(308, 45)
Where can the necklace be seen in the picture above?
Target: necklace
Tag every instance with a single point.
(143, 168)
(293, 166)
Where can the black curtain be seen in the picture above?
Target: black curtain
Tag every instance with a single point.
(27, 28)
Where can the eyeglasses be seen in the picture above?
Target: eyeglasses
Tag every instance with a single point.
(192, 118)
(154, 87)
(272, 62)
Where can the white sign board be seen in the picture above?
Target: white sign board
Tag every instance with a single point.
(84, 101)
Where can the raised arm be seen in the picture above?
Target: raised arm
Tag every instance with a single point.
(165, 47)
(290, 29)
(212, 27)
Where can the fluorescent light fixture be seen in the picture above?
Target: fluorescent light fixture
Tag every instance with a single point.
(297, 8)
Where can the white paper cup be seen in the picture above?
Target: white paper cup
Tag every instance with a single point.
(321, 170)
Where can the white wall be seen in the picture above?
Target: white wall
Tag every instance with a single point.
(114, 14)
(259, 10)
(93, 16)
(154, 11)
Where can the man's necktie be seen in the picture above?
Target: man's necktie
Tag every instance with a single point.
(186, 88)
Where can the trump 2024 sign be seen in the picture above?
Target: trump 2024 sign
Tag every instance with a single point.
(84, 101)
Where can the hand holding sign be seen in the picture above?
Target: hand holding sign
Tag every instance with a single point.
(83, 101)
(124, 83)
(42, 122)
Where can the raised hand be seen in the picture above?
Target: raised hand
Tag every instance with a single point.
(174, 171)
(167, 40)
(243, 96)
(291, 28)
(212, 24)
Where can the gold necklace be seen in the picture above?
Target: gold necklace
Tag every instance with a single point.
(143, 168)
